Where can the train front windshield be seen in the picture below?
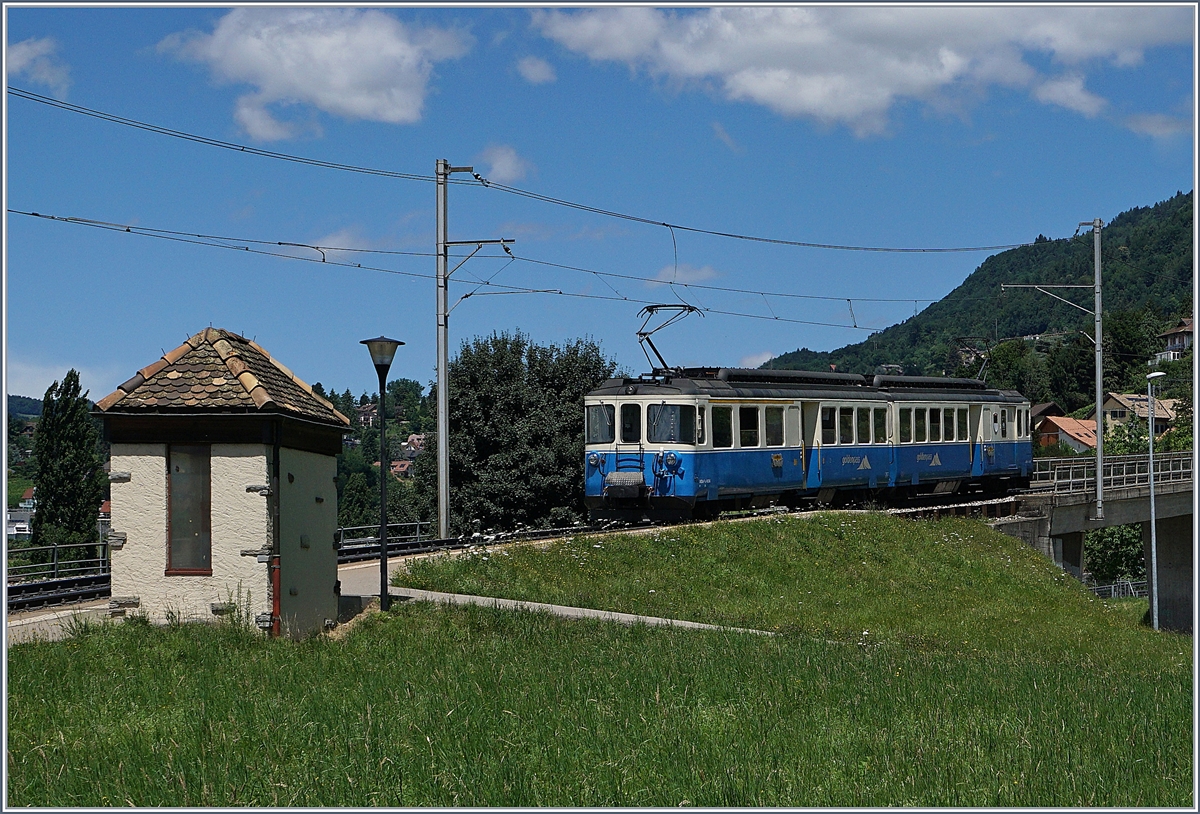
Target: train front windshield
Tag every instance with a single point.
(601, 423)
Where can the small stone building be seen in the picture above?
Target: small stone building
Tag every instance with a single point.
(224, 493)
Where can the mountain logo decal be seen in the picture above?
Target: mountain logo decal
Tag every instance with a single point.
(936, 460)
(865, 463)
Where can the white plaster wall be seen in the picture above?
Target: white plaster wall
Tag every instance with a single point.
(240, 520)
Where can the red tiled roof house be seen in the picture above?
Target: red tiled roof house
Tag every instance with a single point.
(223, 474)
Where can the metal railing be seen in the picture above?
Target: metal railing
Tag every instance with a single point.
(355, 543)
(21, 569)
(1120, 471)
(1121, 589)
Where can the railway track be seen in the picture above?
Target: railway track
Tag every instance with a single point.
(44, 593)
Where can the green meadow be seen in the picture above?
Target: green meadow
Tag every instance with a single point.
(914, 664)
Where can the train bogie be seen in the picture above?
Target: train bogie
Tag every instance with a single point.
(694, 442)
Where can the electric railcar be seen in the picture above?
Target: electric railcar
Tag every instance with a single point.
(692, 442)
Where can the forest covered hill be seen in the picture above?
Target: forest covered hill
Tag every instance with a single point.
(1146, 261)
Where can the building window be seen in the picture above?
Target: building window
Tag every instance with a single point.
(189, 510)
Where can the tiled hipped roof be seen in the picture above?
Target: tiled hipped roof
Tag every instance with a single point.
(218, 371)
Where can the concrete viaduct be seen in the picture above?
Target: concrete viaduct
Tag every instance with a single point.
(1061, 507)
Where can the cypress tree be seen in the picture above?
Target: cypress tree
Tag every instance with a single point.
(70, 473)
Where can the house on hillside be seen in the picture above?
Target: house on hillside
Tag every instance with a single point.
(1178, 340)
(223, 471)
(1119, 407)
(1077, 434)
(367, 415)
(28, 502)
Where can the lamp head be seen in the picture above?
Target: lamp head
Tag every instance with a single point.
(382, 350)
(1158, 374)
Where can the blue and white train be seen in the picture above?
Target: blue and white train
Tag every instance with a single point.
(692, 442)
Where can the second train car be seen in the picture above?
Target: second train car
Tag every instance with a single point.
(693, 442)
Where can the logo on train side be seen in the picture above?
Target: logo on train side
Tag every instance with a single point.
(933, 459)
(851, 459)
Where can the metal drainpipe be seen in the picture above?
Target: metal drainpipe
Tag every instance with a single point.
(276, 582)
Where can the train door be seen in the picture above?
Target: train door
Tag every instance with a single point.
(976, 434)
(810, 412)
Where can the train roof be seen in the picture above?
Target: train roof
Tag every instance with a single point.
(725, 382)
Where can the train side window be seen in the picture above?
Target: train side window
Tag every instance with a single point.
(700, 426)
(1004, 423)
(996, 425)
(962, 423)
(1020, 423)
(935, 424)
(828, 425)
(748, 426)
(881, 425)
(863, 425)
(774, 426)
(846, 425)
(905, 425)
(919, 429)
(631, 423)
(792, 427)
(722, 427)
(948, 424)
(601, 424)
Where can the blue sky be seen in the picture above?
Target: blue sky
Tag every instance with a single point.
(884, 127)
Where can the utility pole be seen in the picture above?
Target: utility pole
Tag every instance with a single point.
(442, 172)
(1097, 313)
(1097, 225)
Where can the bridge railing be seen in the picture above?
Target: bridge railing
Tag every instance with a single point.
(1120, 471)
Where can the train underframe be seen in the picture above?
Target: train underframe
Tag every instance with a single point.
(632, 507)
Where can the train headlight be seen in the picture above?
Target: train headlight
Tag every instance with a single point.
(670, 459)
(593, 458)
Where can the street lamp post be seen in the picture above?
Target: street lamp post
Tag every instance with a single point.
(383, 350)
(1150, 377)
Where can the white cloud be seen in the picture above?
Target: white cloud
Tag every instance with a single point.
(850, 66)
(536, 71)
(504, 165)
(1157, 125)
(30, 379)
(684, 274)
(756, 359)
(37, 61)
(347, 62)
(1068, 92)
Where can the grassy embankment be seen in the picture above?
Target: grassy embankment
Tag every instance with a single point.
(919, 664)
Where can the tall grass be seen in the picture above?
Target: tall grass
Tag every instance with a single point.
(432, 706)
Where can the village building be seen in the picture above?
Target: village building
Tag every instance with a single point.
(1178, 341)
(223, 472)
(1076, 434)
(1120, 407)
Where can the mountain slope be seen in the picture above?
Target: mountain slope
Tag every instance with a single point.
(1146, 261)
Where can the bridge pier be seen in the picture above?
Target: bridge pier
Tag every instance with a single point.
(1068, 552)
(1174, 571)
